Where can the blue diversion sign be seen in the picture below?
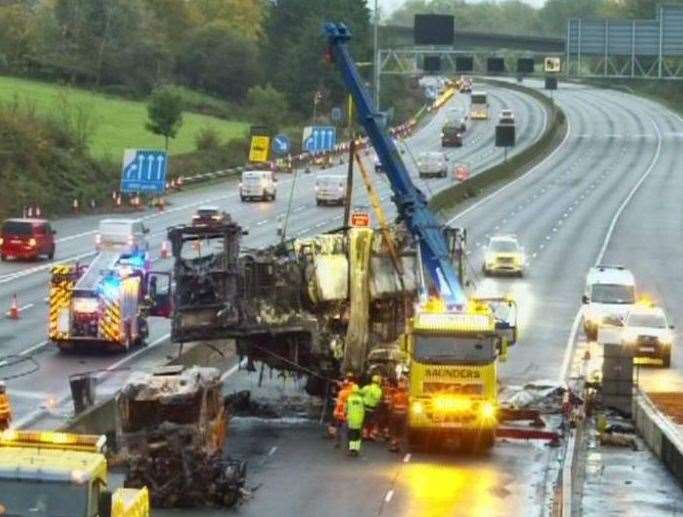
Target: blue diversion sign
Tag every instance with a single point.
(144, 170)
(319, 138)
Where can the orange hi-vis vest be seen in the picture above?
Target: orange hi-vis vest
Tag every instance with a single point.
(342, 397)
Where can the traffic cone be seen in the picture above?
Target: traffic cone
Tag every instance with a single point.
(164, 250)
(75, 205)
(118, 201)
(29, 212)
(14, 309)
(38, 212)
(161, 204)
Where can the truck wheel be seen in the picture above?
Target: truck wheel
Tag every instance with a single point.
(666, 360)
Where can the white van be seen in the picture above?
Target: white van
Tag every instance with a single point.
(608, 297)
(258, 185)
(127, 235)
(330, 189)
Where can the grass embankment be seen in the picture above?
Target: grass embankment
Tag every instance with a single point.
(669, 93)
(449, 198)
(114, 124)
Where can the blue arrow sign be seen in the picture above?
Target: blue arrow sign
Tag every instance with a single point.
(281, 144)
(144, 170)
(319, 138)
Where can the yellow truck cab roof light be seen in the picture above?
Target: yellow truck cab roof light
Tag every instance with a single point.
(50, 439)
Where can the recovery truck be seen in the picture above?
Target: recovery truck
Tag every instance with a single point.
(54, 474)
(105, 303)
(453, 343)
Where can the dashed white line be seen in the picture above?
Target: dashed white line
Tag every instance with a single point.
(389, 495)
(272, 450)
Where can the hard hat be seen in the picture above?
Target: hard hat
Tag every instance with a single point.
(376, 379)
(349, 375)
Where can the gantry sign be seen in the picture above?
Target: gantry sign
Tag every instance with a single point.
(647, 49)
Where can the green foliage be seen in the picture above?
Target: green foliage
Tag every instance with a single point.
(217, 59)
(165, 112)
(207, 139)
(42, 162)
(267, 107)
(293, 48)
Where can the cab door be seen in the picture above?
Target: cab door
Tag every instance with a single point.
(159, 294)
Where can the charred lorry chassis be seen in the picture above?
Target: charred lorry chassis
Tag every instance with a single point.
(321, 304)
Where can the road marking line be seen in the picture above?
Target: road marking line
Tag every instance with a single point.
(632, 193)
(233, 369)
(505, 187)
(272, 450)
(389, 495)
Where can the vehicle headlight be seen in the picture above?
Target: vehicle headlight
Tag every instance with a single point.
(417, 408)
(490, 257)
(487, 411)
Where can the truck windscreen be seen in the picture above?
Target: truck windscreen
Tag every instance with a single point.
(43, 499)
(612, 293)
(478, 99)
(454, 349)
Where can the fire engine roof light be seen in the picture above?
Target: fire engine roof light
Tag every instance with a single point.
(110, 287)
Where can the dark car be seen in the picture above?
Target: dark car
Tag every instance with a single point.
(207, 216)
(451, 136)
(27, 239)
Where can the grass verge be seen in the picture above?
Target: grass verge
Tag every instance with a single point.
(112, 124)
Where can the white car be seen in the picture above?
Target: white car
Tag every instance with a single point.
(648, 332)
(432, 164)
(608, 297)
(504, 255)
(258, 185)
(125, 235)
(330, 189)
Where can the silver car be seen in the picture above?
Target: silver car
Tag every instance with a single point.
(432, 164)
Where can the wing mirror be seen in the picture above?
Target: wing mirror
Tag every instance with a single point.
(584, 299)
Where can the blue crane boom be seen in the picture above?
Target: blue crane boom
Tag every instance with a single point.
(410, 202)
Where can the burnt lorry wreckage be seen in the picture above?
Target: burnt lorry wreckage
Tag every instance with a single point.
(325, 304)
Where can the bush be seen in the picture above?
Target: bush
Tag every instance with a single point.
(207, 139)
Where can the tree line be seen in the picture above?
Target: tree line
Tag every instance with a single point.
(517, 17)
(220, 47)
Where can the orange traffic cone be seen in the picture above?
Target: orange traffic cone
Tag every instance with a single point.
(164, 250)
(75, 205)
(14, 309)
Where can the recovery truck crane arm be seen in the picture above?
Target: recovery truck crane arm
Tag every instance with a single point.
(410, 202)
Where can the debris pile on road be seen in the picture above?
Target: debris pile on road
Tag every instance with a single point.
(241, 404)
(545, 396)
(171, 425)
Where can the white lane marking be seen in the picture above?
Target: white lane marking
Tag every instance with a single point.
(33, 395)
(34, 348)
(25, 272)
(272, 450)
(569, 348)
(35, 414)
(262, 222)
(564, 371)
(632, 193)
(508, 185)
(233, 369)
(390, 494)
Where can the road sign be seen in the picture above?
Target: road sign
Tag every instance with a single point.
(143, 170)
(360, 219)
(552, 64)
(336, 115)
(319, 138)
(281, 145)
(258, 152)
